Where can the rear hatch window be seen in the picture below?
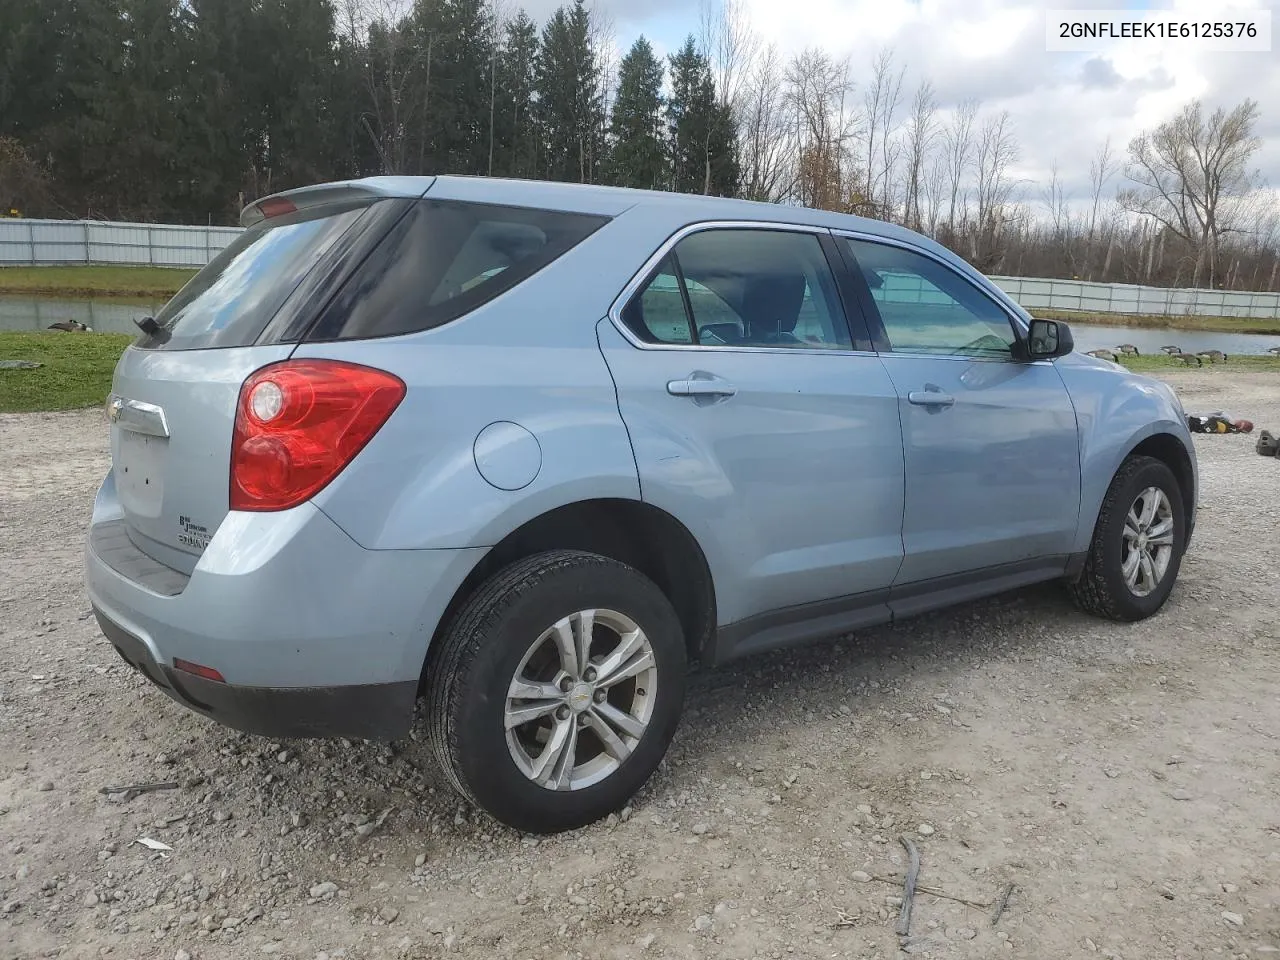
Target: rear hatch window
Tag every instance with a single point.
(230, 302)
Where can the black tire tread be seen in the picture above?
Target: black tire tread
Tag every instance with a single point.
(1090, 592)
(465, 635)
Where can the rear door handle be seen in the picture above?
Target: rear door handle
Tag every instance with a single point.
(701, 388)
(930, 398)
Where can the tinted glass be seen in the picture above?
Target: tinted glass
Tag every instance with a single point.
(762, 288)
(445, 259)
(928, 308)
(747, 288)
(231, 300)
(657, 315)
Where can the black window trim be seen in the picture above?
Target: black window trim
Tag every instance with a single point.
(856, 324)
(879, 336)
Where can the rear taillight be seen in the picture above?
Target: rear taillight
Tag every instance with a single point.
(299, 423)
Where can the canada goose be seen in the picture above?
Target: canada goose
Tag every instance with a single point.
(1274, 350)
(1171, 349)
(1187, 358)
(1213, 356)
(1103, 355)
(71, 326)
(1128, 348)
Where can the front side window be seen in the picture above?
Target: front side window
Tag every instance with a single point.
(928, 308)
(742, 288)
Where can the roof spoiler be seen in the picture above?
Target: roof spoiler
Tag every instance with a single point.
(370, 188)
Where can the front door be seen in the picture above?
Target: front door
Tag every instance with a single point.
(757, 424)
(992, 453)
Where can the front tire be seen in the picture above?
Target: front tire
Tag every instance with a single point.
(557, 690)
(1137, 546)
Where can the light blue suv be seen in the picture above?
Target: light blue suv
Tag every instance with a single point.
(525, 451)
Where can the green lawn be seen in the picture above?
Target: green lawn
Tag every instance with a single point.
(117, 281)
(76, 373)
(1159, 363)
(1181, 322)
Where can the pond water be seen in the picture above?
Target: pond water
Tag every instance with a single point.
(1147, 340)
(116, 316)
(103, 315)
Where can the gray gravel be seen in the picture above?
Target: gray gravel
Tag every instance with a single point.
(1123, 778)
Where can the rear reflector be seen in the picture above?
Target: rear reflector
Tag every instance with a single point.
(208, 673)
(299, 423)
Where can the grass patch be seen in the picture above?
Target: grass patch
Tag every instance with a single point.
(76, 373)
(159, 283)
(1149, 322)
(1159, 363)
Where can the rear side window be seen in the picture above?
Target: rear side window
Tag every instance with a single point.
(231, 301)
(445, 259)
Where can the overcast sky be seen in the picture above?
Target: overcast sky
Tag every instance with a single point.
(1064, 105)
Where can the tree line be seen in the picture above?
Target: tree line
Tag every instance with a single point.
(182, 110)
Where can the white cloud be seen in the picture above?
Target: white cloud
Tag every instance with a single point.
(1063, 106)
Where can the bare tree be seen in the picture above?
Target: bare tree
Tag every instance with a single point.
(880, 107)
(997, 150)
(766, 135)
(730, 44)
(1101, 169)
(1054, 198)
(817, 90)
(922, 130)
(933, 190)
(1191, 175)
(601, 36)
(958, 145)
(392, 58)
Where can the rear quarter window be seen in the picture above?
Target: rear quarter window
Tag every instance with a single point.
(444, 259)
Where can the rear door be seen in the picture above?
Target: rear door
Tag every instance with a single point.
(757, 423)
(174, 393)
(992, 453)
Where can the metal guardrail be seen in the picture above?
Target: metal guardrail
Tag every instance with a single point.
(38, 242)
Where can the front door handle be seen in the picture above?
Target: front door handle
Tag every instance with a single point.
(930, 398)
(701, 388)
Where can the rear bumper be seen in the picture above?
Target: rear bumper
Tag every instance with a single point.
(314, 635)
(374, 711)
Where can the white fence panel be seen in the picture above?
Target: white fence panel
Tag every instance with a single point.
(87, 241)
(1036, 294)
(169, 245)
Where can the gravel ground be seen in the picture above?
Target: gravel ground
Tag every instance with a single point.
(1123, 780)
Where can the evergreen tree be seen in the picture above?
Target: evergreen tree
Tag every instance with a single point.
(571, 111)
(457, 79)
(704, 154)
(638, 154)
(296, 71)
(516, 133)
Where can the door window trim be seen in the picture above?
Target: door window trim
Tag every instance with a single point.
(875, 323)
(856, 322)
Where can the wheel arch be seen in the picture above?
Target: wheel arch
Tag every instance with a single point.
(1158, 440)
(630, 531)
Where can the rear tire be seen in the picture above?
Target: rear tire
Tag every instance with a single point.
(593, 654)
(1137, 546)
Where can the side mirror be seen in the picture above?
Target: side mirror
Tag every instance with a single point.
(1048, 339)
